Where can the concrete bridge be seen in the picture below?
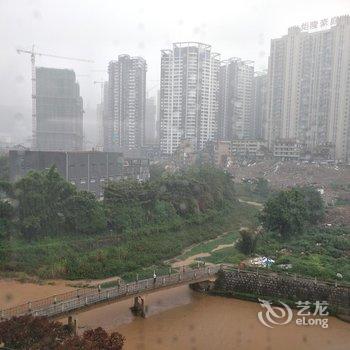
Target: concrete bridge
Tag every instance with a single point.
(70, 302)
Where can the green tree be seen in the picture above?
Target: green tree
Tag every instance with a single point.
(288, 212)
(156, 171)
(6, 216)
(84, 214)
(130, 204)
(247, 242)
(314, 204)
(41, 197)
(261, 187)
(4, 168)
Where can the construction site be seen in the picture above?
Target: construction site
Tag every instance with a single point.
(333, 182)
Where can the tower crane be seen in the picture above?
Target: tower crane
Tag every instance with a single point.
(33, 54)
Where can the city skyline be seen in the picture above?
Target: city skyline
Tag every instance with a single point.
(225, 94)
(245, 33)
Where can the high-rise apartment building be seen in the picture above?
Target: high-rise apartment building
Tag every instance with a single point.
(150, 136)
(59, 111)
(102, 116)
(259, 105)
(188, 95)
(309, 88)
(236, 99)
(339, 114)
(124, 127)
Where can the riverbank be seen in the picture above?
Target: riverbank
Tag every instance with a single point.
(21, 290)
(13, 293)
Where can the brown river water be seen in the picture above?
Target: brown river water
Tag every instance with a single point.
(179, 318)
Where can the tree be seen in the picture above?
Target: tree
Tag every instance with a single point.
(84, 214)
(261, 187)
(94, 339)
(28, 332)
(40, 333)
(7, 213)
(4, 168)
(41, 197)
(156, 171)
(247, 242)
(288, 212)
(314, 204)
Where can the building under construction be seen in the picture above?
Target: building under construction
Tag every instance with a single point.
(59, 111)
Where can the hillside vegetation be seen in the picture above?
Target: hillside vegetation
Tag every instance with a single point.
(52, 230)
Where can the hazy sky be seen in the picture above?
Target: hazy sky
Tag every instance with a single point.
(101, 30)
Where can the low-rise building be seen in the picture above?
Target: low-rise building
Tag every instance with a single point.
(287, 149)
(249, 148)
(89, 171)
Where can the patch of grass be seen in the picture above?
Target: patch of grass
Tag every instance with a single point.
(318, 252)
(229, 255)
(207, 247)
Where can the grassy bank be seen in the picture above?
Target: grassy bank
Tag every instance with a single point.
(110, 255)
(318, 252)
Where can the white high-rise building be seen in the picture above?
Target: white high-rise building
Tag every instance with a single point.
(124, 127)
(236, 99)
(259, 105)
(339, 114)
(309, 87)
(188, 95)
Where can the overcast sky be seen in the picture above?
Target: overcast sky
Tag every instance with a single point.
(102, 29)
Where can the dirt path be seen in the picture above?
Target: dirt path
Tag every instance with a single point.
(188, 249)
(223, 246)
(256, 204)
(193, 258)
(188, 261)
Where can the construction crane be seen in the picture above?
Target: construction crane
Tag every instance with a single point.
(33, 54)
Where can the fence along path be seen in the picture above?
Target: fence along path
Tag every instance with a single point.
(80, 298)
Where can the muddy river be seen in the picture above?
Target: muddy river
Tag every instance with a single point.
(179, 318)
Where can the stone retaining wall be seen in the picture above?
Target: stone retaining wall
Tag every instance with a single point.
(282, 287)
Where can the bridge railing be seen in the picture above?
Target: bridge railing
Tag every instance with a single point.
(61, 303)
(75, 300)
(30, 306)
